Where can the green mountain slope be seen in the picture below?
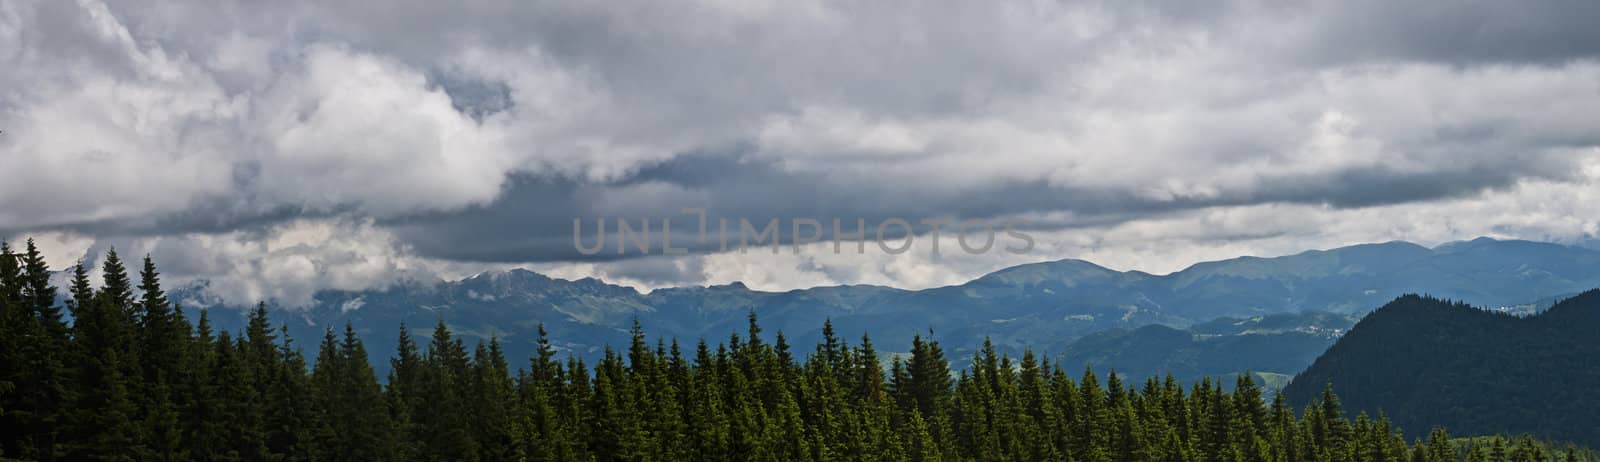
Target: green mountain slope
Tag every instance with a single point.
(1426, 362)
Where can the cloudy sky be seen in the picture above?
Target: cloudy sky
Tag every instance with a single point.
(278, 148)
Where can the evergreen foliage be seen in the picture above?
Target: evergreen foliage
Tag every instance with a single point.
(131, 380)
(1431, 362)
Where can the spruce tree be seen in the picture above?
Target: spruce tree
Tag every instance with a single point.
(237, 413)
(291, 413)
(163, 337)
(151, 390)
(444, 417)
(99, 420)
(35, 367)
(11, 358)
(116, 285)
(494, 405)
(403, 397)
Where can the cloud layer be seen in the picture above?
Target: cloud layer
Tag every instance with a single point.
(419, 140)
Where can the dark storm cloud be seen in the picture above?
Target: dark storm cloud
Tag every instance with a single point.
(478, 130)
(1466, 33)
(532, 220)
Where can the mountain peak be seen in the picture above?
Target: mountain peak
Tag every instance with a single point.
(514, 274)
(1466, 244)
(1067, 271)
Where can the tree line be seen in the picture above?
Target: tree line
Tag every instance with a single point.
(131, 378)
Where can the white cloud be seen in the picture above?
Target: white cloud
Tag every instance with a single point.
(355, 129)
(285, 263)
(274, 147)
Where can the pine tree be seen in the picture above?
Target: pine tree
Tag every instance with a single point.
(163, 343)
(1220, 429)
(350, 402)
(370, 439)
(615, 431)
(1090, 441)
(541, 391)
(1042, 418)
(1248, 407)
(165, 332)
(204, 421)
(232, 381)
(920, 445)
(293, 414)
(496, 425)
(98, 424)
(929, 387)
(261, 355)
(35, 368)
(708, 420)
(1333, 430)
(152, 390)
(403, 397)
(443, 417)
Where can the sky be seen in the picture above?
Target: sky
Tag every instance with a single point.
(275, 149)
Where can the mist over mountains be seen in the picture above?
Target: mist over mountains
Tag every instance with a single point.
(1044, 306)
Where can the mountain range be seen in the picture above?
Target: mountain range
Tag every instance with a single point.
(1045, 305)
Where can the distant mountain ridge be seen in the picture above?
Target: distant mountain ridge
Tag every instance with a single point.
(1034, 305)
(1276, 344)
(1429, 362)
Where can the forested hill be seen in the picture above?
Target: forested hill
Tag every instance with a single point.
(1426, 362)
(129, 379)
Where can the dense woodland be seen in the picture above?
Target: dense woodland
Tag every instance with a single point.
(130, 377)
(1437, 362)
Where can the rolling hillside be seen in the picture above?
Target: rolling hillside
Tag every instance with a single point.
(1428, 362)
